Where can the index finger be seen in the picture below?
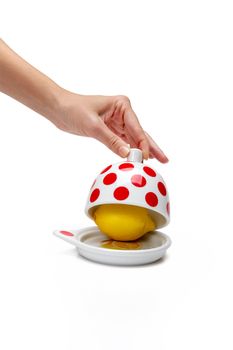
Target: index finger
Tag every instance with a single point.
(136, 132)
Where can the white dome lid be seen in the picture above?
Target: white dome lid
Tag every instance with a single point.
(131, 182)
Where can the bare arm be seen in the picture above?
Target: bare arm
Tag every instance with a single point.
(109, 119)
(26, 84)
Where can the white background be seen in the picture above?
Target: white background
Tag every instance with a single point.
(174, 60)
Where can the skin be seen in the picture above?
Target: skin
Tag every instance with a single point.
(109, 119)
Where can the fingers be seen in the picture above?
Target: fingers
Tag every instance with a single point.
(155, 151)
(102, 133)
(136, 132)
(121, 127)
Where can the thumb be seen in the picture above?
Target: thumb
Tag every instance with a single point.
(112, 141)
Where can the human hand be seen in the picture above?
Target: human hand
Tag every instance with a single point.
(109, 119)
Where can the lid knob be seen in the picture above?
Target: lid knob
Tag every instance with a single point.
(135, 155)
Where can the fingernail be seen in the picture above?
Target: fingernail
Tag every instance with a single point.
(165, 159)
(123, 151)
(145, 155)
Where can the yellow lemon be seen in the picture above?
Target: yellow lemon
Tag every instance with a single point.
(123, 222)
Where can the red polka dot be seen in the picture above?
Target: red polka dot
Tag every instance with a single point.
(67, 233)
(94, 195)
(106, 169)
(151, 199)
(126, 166)
(138, 180)
(168, 208)
(162, 188)
(121, 193)
(149, 171)
(110, 179)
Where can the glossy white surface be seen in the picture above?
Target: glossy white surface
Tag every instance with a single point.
(88, 242)
(137, 195)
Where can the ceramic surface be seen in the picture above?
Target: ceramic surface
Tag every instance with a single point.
(134, 183)
(153, 246)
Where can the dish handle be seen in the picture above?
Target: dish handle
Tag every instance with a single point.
(67, 236)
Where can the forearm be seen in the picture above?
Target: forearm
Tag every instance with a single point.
(26, 84)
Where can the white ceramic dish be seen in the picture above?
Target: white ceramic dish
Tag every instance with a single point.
(88, 242)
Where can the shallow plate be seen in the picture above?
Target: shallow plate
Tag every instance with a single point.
(88, 241)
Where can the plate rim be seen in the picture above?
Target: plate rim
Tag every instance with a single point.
(79, 234)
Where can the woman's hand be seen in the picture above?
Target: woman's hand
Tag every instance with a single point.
(109, 119)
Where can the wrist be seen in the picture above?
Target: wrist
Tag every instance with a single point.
(54, 106)
(62, 107)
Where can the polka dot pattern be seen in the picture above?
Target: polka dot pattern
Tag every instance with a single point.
(94, 195)
(109, 179)
(106, 169)
(151, 199)
(149, 171)
(67, 233)
(162, 188)
(138, 180)
(121, 193)
(130, 183)
(126, 166)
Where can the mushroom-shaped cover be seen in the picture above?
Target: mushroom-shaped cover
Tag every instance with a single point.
(133, 183)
